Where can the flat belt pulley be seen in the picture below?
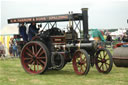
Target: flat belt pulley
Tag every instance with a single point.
(57, 61)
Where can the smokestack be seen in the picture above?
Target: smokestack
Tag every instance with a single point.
(85, 23)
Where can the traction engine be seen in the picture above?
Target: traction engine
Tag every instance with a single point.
(53, 48)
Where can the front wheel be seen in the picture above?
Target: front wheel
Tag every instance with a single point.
(81, 62)
(103, 60)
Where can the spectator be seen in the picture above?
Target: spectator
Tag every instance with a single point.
(125, 38)
(2, 50)
(109, 38)
(14, 50)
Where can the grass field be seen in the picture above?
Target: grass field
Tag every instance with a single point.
(12, 73)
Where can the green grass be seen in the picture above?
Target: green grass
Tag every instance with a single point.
(12, 73)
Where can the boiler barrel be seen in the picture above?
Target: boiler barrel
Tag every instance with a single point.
(120, 56)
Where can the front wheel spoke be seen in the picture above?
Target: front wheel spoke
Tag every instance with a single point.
(100, 56)
(81, 68)
(98, 61)
(85, 66)
(80, 58)
(101, 65)
(105, 54)
(107, 59)
(106, 66)
(84, 58)
(107, 63)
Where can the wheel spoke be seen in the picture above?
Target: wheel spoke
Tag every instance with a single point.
(100, 56)
(80, 58)
(41, 57)
(42, 62)
(33, 50)
(84, 62)
(31, 65)
(37, 65)
(38, 52)
(29, 54)
(81, 68)
(34, 65)
(27, 58)
(101, 65)
(106, 66)
(41, 53)
(30, 61)
(105, 54)
(107, 63)
(29, 50)
(107, 59)
(41, 65)
(98, 61)
(85, 66)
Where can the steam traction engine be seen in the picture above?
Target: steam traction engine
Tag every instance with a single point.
(53, 48)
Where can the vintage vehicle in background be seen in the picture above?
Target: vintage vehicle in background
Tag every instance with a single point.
(120, 54)
(53, 47)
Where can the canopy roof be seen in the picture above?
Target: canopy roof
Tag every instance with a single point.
(52, 18)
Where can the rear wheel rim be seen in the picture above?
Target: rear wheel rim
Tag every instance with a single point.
(34, 58)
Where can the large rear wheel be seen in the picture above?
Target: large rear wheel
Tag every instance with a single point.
(35, 57)
(81, 62)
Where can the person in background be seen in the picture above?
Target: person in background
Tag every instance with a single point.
(125, 37)
(14, 49)
(33, 30)
(2, 50)
(109, 38)
(10, 47)
(22, 31)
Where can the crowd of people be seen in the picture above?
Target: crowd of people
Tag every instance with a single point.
(98, 35)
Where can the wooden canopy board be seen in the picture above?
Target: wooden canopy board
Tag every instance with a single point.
(54, 18)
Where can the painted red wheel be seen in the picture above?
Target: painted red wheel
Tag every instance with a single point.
(35, 57)
(103, 60)
(81, 62)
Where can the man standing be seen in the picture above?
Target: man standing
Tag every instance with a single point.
(32, 30)
(22, 32)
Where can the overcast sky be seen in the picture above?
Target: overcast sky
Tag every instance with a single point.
(102, 13)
